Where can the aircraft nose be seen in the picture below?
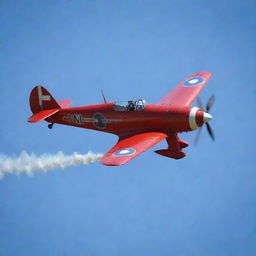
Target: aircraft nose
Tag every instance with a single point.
(207, 117)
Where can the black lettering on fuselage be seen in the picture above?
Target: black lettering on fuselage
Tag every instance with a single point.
(77, 119)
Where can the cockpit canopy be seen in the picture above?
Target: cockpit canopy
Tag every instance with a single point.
(130, 105)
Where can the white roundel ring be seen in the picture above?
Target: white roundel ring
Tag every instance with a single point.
(193, 81)
(125, 152)
(192, 118)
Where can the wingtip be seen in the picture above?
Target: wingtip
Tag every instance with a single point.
(106, 163)
(204, 74)
(106, 160)
(208, 74)
(29, 120)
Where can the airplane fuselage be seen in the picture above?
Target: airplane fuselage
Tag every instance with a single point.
(103, 117)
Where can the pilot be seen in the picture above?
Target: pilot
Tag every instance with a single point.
(130, 105)
(139, 105)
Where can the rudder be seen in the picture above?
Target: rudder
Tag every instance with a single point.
(40, 99)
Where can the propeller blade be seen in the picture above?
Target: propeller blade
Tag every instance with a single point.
(103, 96)
(197, 136)
(210, 103)
(210, 131)
(199, 103)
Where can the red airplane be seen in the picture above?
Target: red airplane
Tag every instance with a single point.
(138, 125)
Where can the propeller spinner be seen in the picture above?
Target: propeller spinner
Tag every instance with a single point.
(207, 117)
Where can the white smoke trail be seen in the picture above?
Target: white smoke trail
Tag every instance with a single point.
(28, 163)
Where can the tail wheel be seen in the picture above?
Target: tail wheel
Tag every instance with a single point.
(50, 126)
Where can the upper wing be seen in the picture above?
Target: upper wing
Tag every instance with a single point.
(186, 91)
(128, 148)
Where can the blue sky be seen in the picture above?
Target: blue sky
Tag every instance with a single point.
(203, 204)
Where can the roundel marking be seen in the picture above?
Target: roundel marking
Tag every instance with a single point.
(193, 81)
(99, 123)
(125, 152)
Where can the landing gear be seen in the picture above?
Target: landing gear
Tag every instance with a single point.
(50, 125)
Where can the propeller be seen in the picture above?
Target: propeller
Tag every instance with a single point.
(209, 105)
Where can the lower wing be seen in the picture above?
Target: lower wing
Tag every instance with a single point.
(129, 147)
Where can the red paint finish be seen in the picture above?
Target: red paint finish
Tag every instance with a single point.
(42, 115)
(174, 149)
(40, 99)
(64, 103)
(136, 143)
(152, 118)
(138, 129)
(199, 117)
(184, 95)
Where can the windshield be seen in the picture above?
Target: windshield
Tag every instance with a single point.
(130, 105)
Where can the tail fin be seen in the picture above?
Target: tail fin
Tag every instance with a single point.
(42, 104)
(40, 99)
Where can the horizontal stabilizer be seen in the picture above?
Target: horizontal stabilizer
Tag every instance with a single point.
(64, 103)
(42, 115)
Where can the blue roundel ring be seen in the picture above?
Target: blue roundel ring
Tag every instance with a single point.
(194, 81)
(125, 152)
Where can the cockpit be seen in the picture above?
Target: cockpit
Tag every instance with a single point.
(130, 105)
